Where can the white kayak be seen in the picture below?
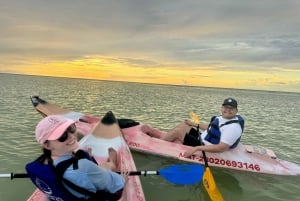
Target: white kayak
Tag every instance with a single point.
(102, 137)
(243, 157)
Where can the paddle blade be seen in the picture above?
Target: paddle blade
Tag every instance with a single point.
(194, 117)
(183, 174)
(210, 186)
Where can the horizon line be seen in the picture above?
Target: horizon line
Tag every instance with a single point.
(152, 83)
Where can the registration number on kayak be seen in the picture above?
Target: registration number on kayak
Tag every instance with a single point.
(228, 163)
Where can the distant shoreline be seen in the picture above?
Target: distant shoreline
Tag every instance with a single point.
(159, 84)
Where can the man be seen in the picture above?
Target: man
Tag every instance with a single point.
(223, 132)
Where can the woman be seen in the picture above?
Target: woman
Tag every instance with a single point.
(79, 177)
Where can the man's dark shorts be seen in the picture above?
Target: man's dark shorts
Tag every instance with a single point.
(192, 138)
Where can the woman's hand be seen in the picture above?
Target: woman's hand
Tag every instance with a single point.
(125, 175)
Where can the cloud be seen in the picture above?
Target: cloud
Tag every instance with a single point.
(216, 35)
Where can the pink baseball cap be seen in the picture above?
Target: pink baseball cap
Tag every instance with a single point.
(51, 128)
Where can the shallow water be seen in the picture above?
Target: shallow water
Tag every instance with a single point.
(272, 121)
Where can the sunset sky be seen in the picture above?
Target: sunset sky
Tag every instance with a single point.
(231, 43)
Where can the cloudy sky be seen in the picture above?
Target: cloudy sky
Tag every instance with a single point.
(231, 43)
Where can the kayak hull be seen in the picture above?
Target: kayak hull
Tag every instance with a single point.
(243, 157)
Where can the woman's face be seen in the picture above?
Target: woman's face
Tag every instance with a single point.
(228, 112)
(66, 144)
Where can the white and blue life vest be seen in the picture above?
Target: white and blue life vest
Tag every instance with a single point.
(214, 134)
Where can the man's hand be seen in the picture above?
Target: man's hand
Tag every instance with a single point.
(189, 122)
(191, 151)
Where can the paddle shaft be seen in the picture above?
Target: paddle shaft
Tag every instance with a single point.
(132, 173)
(209, 183)
(203, 152)
(145, 172)
(14, 175)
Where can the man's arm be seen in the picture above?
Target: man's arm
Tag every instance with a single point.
(221, 147)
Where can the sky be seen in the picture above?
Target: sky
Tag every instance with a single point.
(228, 44)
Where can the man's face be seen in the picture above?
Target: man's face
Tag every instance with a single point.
(228, 112)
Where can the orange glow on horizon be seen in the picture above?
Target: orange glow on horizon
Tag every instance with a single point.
(109, 68)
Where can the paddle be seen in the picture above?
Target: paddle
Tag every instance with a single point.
(183, 174)
(208, 179)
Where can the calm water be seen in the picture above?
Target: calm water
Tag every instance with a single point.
(272, 121)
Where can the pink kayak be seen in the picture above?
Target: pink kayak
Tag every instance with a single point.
(102, 137)
(244, 157)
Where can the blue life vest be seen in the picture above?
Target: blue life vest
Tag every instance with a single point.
(49, 180)
(214, 134)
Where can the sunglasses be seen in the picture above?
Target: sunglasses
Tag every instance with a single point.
(64, 136)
